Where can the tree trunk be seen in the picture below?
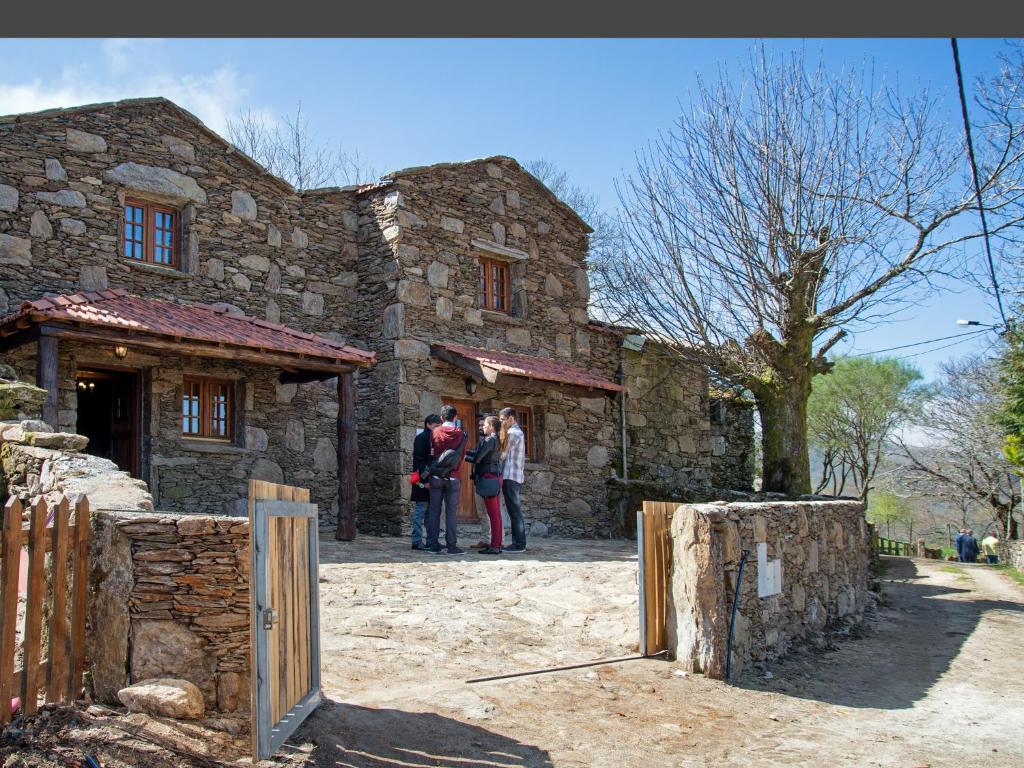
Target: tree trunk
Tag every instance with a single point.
(784, 438)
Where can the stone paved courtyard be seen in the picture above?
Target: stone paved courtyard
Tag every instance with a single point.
(394, 620)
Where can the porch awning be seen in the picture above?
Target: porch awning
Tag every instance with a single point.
(492, 366)
(114, 316)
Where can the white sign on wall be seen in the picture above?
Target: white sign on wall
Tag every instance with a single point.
(769, 573)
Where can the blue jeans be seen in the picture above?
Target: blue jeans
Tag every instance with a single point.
(446, 491)
(419, 513)
(511, 490)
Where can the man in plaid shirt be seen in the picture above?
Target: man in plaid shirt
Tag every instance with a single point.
(513, 477)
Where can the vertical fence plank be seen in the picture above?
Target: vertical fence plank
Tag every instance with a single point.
(57, 667)
(34, 609)
(79, 593)
(10, 551)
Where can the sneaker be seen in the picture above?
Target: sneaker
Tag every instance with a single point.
(456, 551)
(418, 546)
(435, 550)
(513, 550)
(489, 551)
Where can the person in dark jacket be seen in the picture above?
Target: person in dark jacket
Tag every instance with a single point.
(486, 461)
(970, 547)
(445, 490)
(420, 495)
(960, 544)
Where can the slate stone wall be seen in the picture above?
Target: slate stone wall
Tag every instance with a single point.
(825, 549)
(434, 224)
(732, 443)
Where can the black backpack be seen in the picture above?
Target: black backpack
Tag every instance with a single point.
(444, 464)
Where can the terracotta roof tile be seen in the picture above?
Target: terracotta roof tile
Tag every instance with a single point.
(116, 308)
(526, 366)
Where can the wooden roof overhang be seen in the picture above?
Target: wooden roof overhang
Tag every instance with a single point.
(301, 356)
(516, 373)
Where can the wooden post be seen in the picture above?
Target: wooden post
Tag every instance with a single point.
(10, 551)
(46, 377)
(348, 492)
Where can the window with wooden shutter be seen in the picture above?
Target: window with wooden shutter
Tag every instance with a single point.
(151, 233)
(207, 408)
(494, 292)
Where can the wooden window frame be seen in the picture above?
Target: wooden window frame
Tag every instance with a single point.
(485, 285)
(149, 229)
(206, 390)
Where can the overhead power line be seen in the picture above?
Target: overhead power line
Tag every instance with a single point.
(922, 343)
(977, 184)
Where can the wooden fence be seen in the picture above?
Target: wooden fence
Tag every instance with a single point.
(884, 546)
(59, 676)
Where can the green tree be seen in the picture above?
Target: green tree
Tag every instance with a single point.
(853, 413)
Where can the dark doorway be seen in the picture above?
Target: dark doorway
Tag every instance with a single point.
(108, 414)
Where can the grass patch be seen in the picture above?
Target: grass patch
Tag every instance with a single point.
(952, 569)
(948, 552)
(1012, 572)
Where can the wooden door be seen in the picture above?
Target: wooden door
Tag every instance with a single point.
(466, 419)
(124, 424)
(285, 659)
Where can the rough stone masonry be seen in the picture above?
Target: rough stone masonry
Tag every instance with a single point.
(824, 548)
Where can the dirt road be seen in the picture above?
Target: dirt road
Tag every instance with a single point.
(934, 680)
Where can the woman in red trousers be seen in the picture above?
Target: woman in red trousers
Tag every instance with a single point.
(486, 461)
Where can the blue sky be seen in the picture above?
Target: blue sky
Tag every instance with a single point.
(586, 105)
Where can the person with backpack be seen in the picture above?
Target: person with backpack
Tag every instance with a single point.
(420, 494)
(486, 460)
(448, 446)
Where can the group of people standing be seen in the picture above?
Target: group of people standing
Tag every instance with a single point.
(499, 462)
(967, 548)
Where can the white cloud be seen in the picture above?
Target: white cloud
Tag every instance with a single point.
(214, 97)
(124, 53)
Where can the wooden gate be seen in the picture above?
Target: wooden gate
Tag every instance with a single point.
(59, 676)
(654, 567)
(283, 539)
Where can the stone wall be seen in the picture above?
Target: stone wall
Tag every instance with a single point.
(732, 442)
(1013, 554)
(178, 589)
(825, 551)
(431, 226)
(667, 421)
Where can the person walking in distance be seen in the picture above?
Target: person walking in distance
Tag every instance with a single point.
(420, 495)
(445, 485)
(990, 546)
(960, 544)
(513, 476)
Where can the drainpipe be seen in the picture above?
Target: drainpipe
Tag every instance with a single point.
(620, 379)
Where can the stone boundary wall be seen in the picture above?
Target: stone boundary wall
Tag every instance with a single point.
(1013, 554)
(172, 593)
(825, 549)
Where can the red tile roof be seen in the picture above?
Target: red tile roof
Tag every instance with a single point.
(117, 309)
(525, 366)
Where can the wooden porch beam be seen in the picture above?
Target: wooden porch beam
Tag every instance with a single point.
(186, 348)
(348, 490)
(47, 358)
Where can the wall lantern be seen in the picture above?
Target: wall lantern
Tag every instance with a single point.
(121, 352)
(470, 385)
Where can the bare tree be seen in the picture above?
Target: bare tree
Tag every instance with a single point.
(786, 208)
(962, 459)
(291, 150)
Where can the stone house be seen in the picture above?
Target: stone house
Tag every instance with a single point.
(217, 325)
